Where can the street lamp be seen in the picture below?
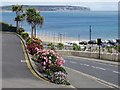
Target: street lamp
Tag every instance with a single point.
(99, 43)
(78, 37)
(90, 37)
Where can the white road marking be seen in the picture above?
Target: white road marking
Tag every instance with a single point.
(84, 64)
(116, 72)
(73, 62)
(97, 61)
(98, 68)
(23, 61)
(81, 64)
(105, 64)
(111, 85)
(93, 67)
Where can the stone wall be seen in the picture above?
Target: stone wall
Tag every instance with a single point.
(103, 56)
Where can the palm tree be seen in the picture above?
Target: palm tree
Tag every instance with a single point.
(22, 18)
(30, 13)
(38, 21)
(34, 19)
(17, 9)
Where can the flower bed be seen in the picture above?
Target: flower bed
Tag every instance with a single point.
(49, 62)
(32, 44)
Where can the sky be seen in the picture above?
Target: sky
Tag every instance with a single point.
(96, 5)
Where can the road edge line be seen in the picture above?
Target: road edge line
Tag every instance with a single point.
(30, 66)
(28, 60)
(95, 78)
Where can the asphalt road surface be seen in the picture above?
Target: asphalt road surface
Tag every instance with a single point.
(15, 73)
(103, 71)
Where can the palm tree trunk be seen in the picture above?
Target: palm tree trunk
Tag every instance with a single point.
(17, 23)
(32, 32)
(35, 32)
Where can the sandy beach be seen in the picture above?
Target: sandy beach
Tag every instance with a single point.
(57, 39)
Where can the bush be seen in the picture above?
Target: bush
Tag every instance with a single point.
(56, 68)
(60, 46)
(48, 57)
(37, 41)
(109, 49)
(32, 48)
(76, 47)
(29, 41)
(33, 45)
(7, 27)
(117, 48)
(20, 30)
(51, 63)
(24, 35)
(51, 46)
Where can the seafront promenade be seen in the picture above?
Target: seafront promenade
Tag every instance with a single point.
(15, 70)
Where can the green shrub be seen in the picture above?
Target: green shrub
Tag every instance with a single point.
(117, 48)
(20, 30)
(55, 68)
(76, 47)
(29, 41)
(60, 46)
(24, 35)
(109, 49)
(51, 46)
(7, 27)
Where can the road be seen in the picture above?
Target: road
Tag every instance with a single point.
(15, 73)
(103, 71)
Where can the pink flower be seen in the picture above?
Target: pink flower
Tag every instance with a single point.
(47, 52)
(49, 62)
(44, 63)
(60, 61)
(43, 53)
(37, 49)
(45, 58)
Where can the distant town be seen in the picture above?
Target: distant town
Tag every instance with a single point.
(49, 8)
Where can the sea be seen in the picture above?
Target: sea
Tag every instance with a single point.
(75, 24)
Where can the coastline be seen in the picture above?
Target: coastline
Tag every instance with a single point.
(50, 11)
(56, 39)
(5, 11)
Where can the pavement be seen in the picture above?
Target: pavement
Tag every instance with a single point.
(16, 74)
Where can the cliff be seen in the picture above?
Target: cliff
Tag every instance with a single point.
(49, 8)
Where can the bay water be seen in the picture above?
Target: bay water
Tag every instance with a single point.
(104, 24)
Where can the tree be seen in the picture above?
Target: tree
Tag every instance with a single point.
(22, 18)
(60, 46)
(76, 47)
(19, 19)
(34, 19)
(38, 22)
(17, 9)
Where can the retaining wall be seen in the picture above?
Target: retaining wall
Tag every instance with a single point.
(103, 56)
